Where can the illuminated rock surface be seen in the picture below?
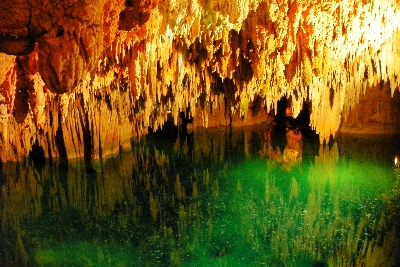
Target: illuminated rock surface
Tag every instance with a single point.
(82, 77)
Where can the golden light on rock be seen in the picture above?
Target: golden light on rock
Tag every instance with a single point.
(112, 69)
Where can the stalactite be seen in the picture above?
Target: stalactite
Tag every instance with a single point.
(8, 80)
(174, 58)
(38, 97)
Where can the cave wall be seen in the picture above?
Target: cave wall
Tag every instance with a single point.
(81, 77)
(375, 113)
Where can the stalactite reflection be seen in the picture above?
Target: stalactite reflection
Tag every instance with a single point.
(216, 197)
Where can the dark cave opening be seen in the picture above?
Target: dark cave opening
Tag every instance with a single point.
(37, 156)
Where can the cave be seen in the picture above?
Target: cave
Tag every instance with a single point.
(200, 133)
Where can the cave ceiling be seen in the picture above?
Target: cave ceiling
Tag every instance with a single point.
(75, 75)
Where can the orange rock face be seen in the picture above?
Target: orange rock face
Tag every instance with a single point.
(77, 75)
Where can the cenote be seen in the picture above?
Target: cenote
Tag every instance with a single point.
(215, 197)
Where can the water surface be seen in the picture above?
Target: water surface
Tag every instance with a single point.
(217, 197)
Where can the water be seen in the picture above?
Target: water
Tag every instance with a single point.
(246, 197)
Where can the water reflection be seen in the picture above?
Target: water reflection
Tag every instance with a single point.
(292, 153)
(211, 198)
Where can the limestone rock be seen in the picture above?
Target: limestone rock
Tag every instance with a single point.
(138, 62)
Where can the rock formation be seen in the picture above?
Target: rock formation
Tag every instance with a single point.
(80, 78)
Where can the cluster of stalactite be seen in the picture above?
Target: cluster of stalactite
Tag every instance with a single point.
(155, 58)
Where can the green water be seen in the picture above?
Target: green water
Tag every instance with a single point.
(214, 198)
